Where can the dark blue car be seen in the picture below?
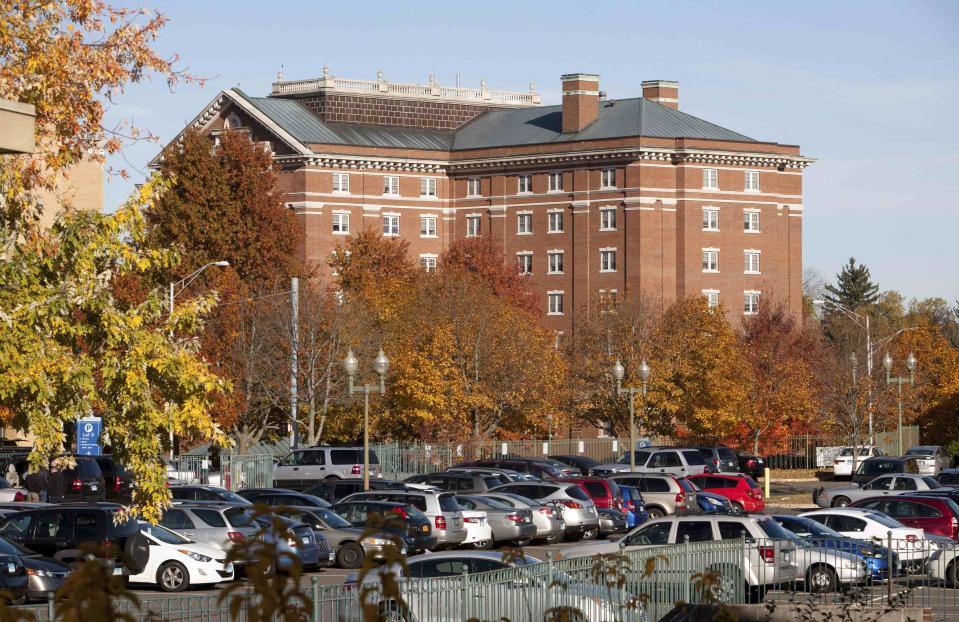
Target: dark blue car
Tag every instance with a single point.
(817, 534)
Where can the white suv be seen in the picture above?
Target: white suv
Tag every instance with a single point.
(302, 468)
(675, 461)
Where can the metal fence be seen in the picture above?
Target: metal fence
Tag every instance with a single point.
(241, 472)
(815, 451)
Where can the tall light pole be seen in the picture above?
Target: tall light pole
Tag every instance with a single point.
(175, 288)
(381, 365)
(887, 362)
(619, 372)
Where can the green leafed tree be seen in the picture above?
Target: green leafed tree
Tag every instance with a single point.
(854, 287)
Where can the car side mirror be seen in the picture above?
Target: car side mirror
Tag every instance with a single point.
(622, 543)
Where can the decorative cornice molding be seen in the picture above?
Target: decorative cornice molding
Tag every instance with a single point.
(364, 162)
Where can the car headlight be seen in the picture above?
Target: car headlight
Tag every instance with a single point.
(376, 541)
(195, 556)
(39, 572)
(851, 564)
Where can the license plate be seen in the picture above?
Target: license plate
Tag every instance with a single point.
(305, 540)
(332, 556)
(425, 528)
(93, 487)
(117, 571)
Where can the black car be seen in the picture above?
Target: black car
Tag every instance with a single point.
(537, 468)
(84, 481)
(948, 477)
(204, 492)
(871, 468)
(334, 490)
(118, 481)
(13, 578)
(750, 464)
(402, 519)
(583, 463)
(282, 496)
(44, 574)
(722, 459)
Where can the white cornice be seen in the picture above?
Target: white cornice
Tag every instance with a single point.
(364, 162)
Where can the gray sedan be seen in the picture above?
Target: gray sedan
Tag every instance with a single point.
(348, 541)
(548, 517)
(895, 484)
(509, 524)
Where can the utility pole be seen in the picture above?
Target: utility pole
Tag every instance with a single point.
(294, 346)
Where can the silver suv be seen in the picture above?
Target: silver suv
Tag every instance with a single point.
(675, 461)
(662, 494)
(302, 468)
(579, 511)
(445, 514)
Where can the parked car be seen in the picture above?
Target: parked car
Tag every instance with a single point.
(662, 494)
(441, 508)
(13, 580)
(675, 461)
(909, 543)
(741, 490)
(948, 477)
(931, 459)
(842, 464)
(579, 511)
(460, 483)
(478, 529)
(824, 570)
(537, 468)
(547, 517)
(84, 481)
(349, 543)
(750, 464)
(871, 468)
(508, 524)
(45, 575)
(335, 489)
(937, 515)
(401, 519)
(584, 464)
(118, 481)
(204, 492)
(722, 459)
(611, 522)
(943, 565)
(900, 484)
(279, 496)
(876, 556)
(508, 474)
(305, 467)
(604, 493)
(177, 563)
(634, 506)
(10, 493)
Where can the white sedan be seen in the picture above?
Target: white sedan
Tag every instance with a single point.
(176, 562)
(842, 465)
(478, 528)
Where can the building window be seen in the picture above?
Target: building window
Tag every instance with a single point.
(428, 226)
(607, 219)
(608, 178)
(751, 262)
(555, 222)
(524, 224)
(391, 184)
(428, 262)
(391, 224)
(524, 262)
(607, 260)
(555, 263)
(711, 178)
(752, 181)
(710, 260)
(473, 187)
(341, 182)
(472, 226)
(525, 184)
(555, 300)
(712, 297)
(710, 219)
(555, 182)
(750, 303)
(428, 186)
(341, 223)
(751, 221)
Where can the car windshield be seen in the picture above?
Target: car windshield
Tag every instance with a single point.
(774, 529)
(163, 534)
(333, 521)
(641, 457)
(931, 482)
(751, 482)
(884, 520)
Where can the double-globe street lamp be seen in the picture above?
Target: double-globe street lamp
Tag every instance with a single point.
(887, 362)
(381, 365)
(619, 372)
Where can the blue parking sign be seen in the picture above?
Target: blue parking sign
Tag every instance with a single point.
(88, 436)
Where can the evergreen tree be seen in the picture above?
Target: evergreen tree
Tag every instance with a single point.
(854, 287)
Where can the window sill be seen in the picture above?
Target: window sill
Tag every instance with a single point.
(608, 229)
(472, 235)
(341, 192)
(473, 196)
(341, 233)
(607, 271)
(391, 235)
(710, 188)
(429, 237)
(609, 188)
(712, 230)
(554, 273)
(750, 312)
(710, 271)
(752, 231)
(522, 193)
(554, 313)
(751, 272)
(524, 233)
(752, 191)
(560, 191)
(431, 197)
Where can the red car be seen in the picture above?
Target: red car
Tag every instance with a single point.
(741, 490)
(938, 515)
(604, 493)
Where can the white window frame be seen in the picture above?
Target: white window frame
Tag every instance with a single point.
(710, 179)
(524, 184)
(557, 295)
(428, 187)
(424, 225)
(748, 264)
(710, 224)
(474, 187)
(751, 181)
(748, 221)
(524, 267)
(341, 183)
(389, 220)
(524, 217)
(556, 214)
(604, 212)
(391, 185)
(555, 183)
(428, 261)
(550, 254)
(605, 254)
(607, 179)
(712, 297)
(341, 219)
(473, 225)
(714, 253)
(751, 298)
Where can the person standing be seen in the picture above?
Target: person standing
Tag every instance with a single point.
(35, 482)
(12, 477)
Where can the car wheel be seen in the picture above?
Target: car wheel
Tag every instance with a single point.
(522, 543)
(331, 478)
(173, 577)
(840, 502)
(591, 533)
(553, 539)
(484, 545)
(655, 512)
(952, 574)
(738, 507)
(350, 556)
(821, 579)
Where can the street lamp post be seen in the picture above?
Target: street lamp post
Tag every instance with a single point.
(899, 381)
(619, 372)
(381, 365)
(175, 288)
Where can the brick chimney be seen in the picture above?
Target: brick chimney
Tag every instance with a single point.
(665, 92)
(580, 101)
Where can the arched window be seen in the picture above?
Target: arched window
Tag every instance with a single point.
(232, 121)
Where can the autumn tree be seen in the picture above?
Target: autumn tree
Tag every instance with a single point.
(481, 256)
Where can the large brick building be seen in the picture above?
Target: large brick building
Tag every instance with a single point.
(591, 197)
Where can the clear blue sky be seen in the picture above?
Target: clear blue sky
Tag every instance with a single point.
(870, 89)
